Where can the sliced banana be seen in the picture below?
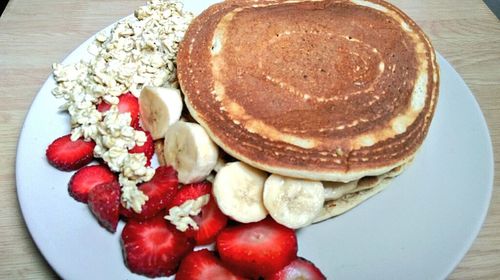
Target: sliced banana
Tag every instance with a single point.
(190, 151)
(210, 177)
(292, 202)
(238, 189)
(160, 108)
(220, 163)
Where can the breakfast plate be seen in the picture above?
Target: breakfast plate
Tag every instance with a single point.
(419, 228)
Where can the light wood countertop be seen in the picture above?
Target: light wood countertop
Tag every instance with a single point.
(34, 34)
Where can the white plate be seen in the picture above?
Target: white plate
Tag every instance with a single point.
(418, 228)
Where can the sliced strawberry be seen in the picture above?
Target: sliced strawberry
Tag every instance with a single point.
(160, 191)
(147, 148)
(127, 214)
(191, 191)
(104, 201)
(300, 268)
(87, 178)
(127, 103)
(257, 249)
(124, 213)
(210, 221)
(68, 155)
(202, 265)
(154, 247)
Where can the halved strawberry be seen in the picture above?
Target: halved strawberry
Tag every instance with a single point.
(191, 191)
(202, 265)
(104, 201)
(127, 103)
(210, 221)
(300, 268)
(154, 247)
(147, 148)
(68, 155)
(160, 191)
(87, 178)
(257, 249)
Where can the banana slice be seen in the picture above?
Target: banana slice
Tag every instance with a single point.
(237, 189)
(190, 151)
(293, 203)
(160, 108)
(220, 163)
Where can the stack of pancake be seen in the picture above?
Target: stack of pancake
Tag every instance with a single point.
(336, 91)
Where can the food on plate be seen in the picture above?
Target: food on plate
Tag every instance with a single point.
(154, 247)
(104, 203)
(100, 92)
(147, 148)
(341, 197)
(257, 249)
(201, 265)
(159, 146)
(238, 192)
(127, 103)
(194, 211)
(220, 163)
(350, 103)
(87, 178)
(66, 154)
(293, 202)
(189, 149)
(330, 91)
(299, 120)
(298, 269)
(160, 190)
(160, 107)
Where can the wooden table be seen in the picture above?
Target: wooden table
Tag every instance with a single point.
(34, 34)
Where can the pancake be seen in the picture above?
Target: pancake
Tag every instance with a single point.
(321, 90)
(337, 207)
(342, 197)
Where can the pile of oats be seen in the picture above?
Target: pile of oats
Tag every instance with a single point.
(181, 216)
(138, 51)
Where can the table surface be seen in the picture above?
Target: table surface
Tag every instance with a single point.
(34, 34)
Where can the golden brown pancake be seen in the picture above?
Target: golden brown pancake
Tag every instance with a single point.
(322, 90)
(351, 194)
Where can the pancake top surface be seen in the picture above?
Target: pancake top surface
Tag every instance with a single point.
(325, 90)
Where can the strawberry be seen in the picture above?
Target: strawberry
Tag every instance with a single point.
(210, 221)
(257, 249)
(68, 155)
(201, 265)
(191, 191)
(153, 247)
(124, 213)
(147, 148)
(127, 103)
(87, 178)
(300, 268)
(104, 201)
(160, 191)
